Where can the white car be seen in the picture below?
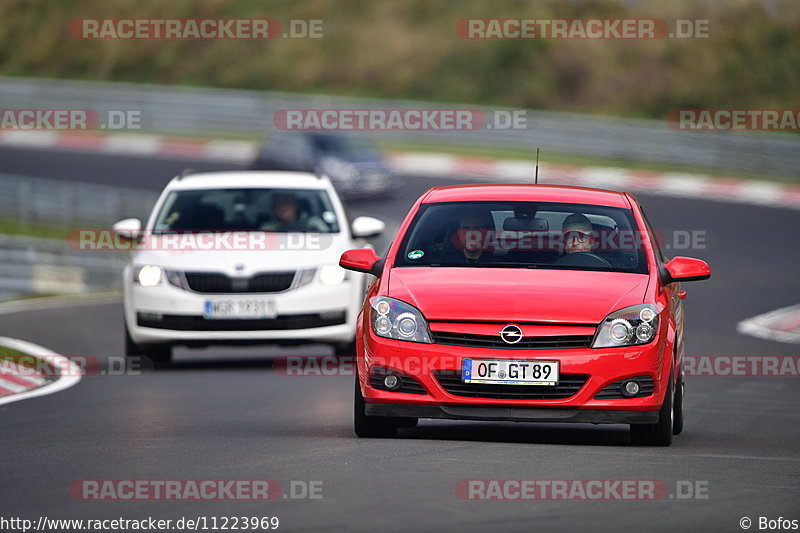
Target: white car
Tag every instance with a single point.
(242, 257)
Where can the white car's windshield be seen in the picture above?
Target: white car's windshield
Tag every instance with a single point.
(278, 210)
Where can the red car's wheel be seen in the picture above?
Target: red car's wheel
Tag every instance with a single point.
(660, 433)
(677, 423)
(370, 426)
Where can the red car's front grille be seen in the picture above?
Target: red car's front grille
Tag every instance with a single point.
(527, 343)
(568, 386)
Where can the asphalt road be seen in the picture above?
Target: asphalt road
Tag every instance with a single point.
(223, 413)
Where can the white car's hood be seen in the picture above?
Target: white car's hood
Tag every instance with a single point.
(234, 254)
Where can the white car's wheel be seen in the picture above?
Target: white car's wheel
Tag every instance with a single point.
(151, 356)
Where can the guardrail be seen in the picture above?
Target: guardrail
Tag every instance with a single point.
(31, 265)
(30, 200)
(229, 112)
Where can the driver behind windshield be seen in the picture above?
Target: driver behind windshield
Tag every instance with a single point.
(578, 234)
(287, 216)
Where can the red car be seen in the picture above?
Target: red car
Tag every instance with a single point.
(525, 303)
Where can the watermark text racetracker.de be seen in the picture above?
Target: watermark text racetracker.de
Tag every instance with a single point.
(103, 240)
(693, 365)
(54, 367)
(194, 523)
(598, 241)
(377, 120)
(73, 119)
(580, 490)
(588, 28)
(195, 29)
(121, 490)
(734, 119)
(762, 366)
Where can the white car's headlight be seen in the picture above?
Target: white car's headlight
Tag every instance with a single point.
(331, 274)
(148, 275)
(633, 325)
(394, 319)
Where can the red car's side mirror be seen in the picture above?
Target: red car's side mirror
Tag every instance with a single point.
(687, 269)
(362, 260)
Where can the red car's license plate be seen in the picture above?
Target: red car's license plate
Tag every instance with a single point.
(505, 372)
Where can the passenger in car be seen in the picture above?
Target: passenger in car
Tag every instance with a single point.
(475, 229)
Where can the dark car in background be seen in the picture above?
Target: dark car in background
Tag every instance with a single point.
(355, 165)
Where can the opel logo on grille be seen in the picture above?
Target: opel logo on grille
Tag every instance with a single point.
(511, 334)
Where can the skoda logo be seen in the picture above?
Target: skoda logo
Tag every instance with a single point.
(511, 334)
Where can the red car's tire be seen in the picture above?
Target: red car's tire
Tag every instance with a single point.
(370, 426)
(677, 423)
(660, 433)
(345, 349)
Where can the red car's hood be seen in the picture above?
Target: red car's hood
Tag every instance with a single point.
(516, 294)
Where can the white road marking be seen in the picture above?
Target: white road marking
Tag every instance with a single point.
(56, 302)
(11, 386)
(132, 144)
(34, 139)
(20, 372)
(781, 325)
(70, 378)
(235, 151)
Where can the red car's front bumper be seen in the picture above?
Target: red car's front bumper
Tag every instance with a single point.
(437, 368)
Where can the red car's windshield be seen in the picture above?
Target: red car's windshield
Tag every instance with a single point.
(524, 235)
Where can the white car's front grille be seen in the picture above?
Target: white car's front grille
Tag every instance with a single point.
(217, 283)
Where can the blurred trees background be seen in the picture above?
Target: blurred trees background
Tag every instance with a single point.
(409, 49)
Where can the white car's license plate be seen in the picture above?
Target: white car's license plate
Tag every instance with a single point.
(251, 308)
(505, 372)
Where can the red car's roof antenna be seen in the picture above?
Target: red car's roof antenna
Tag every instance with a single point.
(536, 178)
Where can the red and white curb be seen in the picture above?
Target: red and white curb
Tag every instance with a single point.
(17, 384)
(781, 325)
(133, 145)
(15, 378)
(682, 185)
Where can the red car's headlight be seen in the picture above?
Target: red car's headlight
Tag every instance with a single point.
(394, 319)
(627, 327)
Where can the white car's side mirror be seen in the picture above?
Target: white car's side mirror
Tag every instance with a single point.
(364, 227)
(128, 228)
